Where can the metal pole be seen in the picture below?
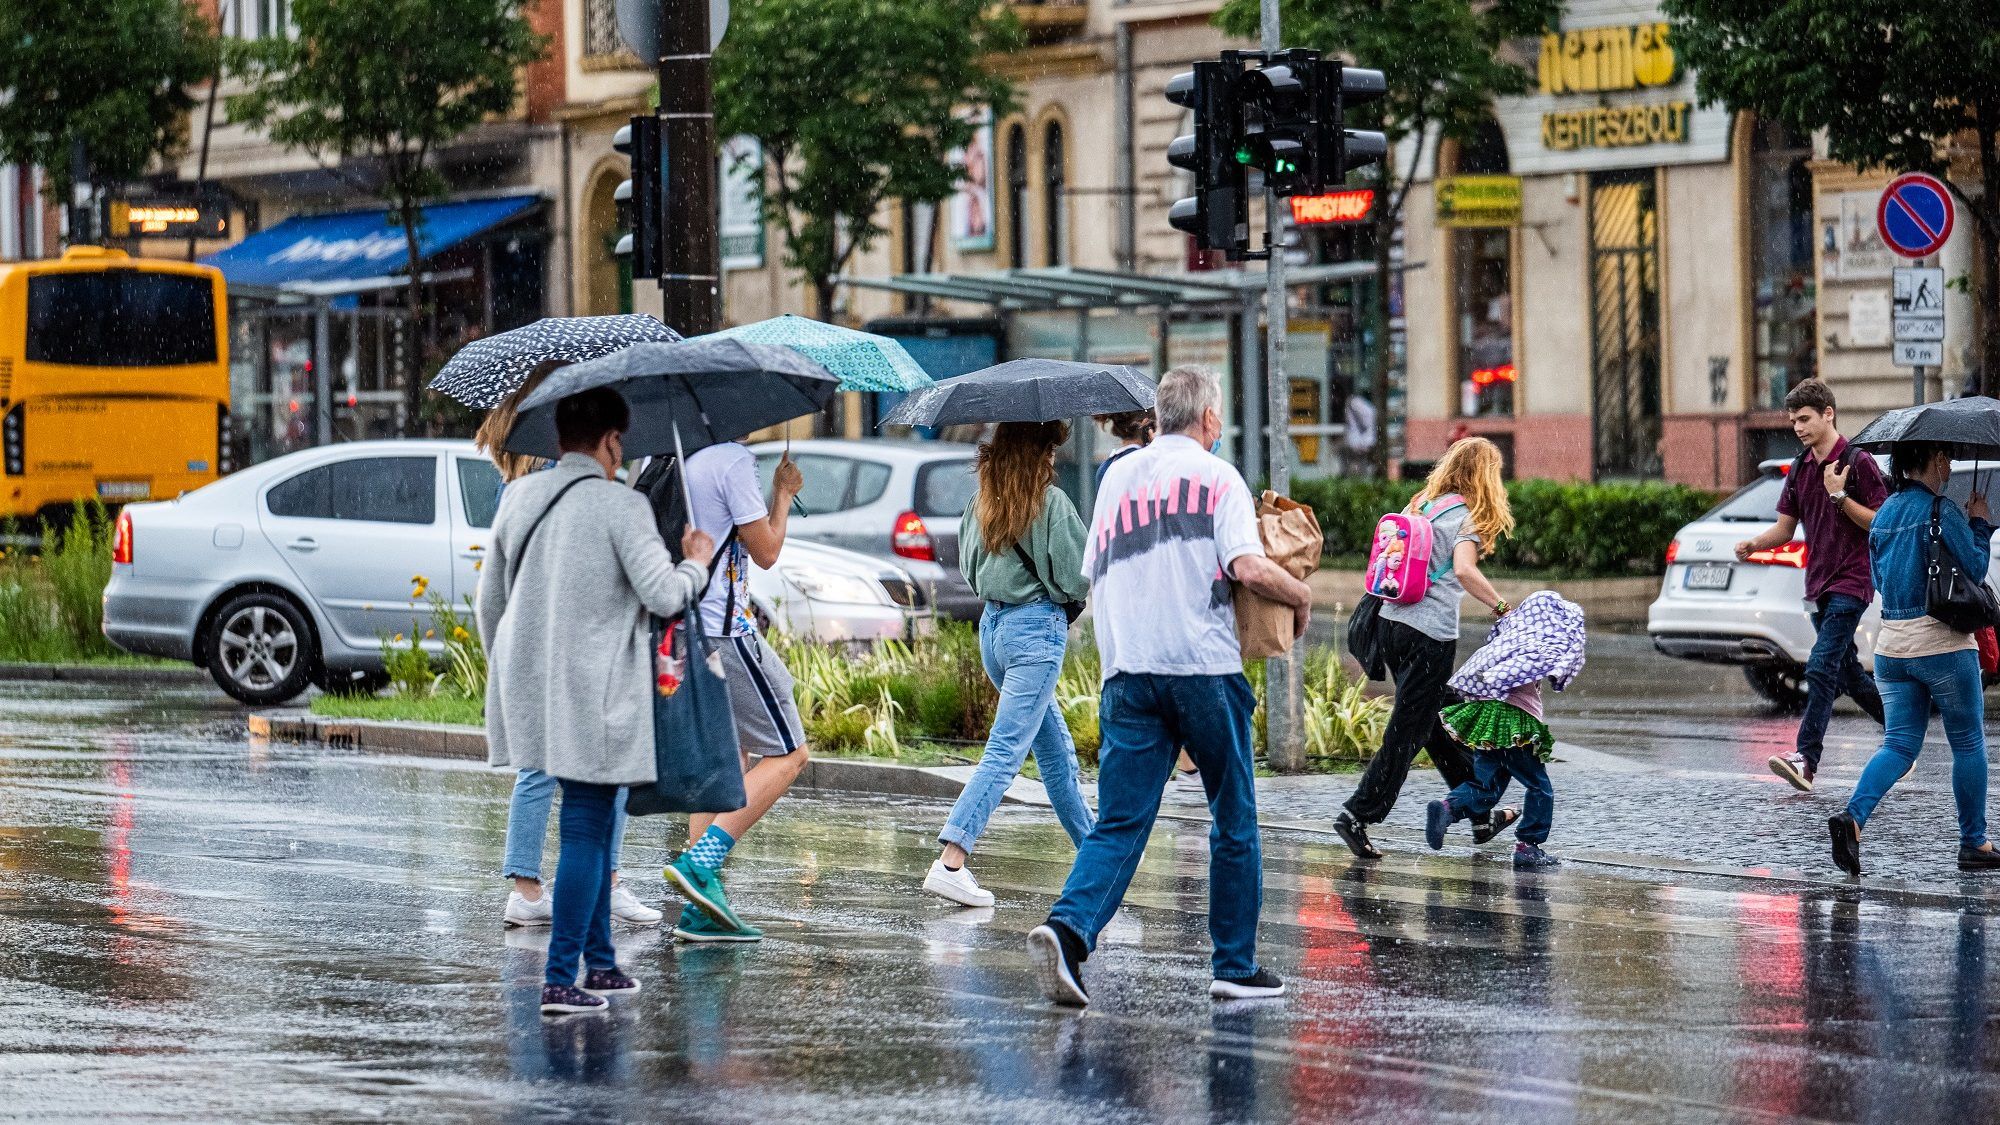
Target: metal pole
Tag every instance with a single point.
(1917, 386)
(1249, 446)
(689, 298)
(1284, 676)
(1125, 173)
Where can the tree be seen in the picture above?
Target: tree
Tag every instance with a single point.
(373, 88)
(1444, 64)
(111, 75)
(856, 102)
(1894, 86)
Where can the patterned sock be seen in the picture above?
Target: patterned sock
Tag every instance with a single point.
(713, 847)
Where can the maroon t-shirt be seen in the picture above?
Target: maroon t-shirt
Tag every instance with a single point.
(1836, 549)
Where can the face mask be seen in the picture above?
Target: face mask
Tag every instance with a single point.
(1215, 447)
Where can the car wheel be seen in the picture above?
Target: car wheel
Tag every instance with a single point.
(1782, 684)
(350, 681)
(260, 649)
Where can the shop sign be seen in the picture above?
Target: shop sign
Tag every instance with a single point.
(1479, 201)
(1618, 126)
(1350, 206)
(1596, 59)
(166, 218)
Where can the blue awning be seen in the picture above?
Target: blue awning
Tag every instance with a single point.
(344, 252)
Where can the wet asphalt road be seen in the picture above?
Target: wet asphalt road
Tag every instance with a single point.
(200, 928)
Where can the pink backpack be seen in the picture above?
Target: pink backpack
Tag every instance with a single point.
(1400, 563)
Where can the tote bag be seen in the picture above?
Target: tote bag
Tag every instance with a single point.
(694, 733)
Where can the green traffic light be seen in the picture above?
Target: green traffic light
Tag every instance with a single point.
(1243, 156)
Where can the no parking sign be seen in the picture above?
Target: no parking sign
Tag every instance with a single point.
(1915, 215)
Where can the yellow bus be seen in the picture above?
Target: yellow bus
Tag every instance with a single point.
(114, 380)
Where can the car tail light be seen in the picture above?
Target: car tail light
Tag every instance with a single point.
(14, 438)
(1791, 554)
(1673, 551)
(121, 539)
(911, 539)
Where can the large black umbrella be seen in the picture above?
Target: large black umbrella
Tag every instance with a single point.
(695, 394)
(487, 370)
(1026, 390)
(1971, 423)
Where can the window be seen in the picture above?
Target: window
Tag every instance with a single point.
(1756, 502)
(1483, 297)
(600, 29)
(827, 480)
(259, 19)
(871, 480)
(121, 318)
(1017, 196)
(1785, 295)
(1055, 208)
(479, 488)
(376, 489)
(944, 488)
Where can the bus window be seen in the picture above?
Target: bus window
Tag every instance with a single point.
(121, 318)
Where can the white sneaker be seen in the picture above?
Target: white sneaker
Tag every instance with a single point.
(626, 907)
(523, 911)
(959, 886)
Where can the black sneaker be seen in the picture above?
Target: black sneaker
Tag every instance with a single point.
(1354, 834)
(1979, 859)
(1058, 956)
(1260, 985)
(1437, 820)
(560, 999)
(1846, 842)
(1499, 821)
(605, 982)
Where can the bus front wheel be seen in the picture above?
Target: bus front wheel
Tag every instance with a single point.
(260, 649)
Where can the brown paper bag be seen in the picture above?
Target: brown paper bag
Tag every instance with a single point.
(1292, 539)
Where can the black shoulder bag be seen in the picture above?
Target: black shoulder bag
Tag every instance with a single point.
(1071, 610)
(1952, 595)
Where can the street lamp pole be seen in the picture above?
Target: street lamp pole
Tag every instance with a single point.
(1284, 676)
(690, 296)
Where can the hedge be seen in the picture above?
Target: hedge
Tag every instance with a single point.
(1565, 527)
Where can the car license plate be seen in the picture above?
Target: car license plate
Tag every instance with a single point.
(123, 490)
(1708, 576)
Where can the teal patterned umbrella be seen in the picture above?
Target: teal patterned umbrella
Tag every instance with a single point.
(862, 360)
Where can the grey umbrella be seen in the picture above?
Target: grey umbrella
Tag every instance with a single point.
(1026, 390)
(696, 393)
(487, 370)
(1971, 423)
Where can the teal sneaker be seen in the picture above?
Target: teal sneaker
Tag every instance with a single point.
(694, 926)
(702, 888)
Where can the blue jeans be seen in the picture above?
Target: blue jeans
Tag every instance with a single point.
(1022, 648)
(1834, 669)
(580, 926)
(1491, 770)
(1147, 720)
(528, 825)
(1909, 688)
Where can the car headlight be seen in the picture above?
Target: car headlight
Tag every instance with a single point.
(835, 587)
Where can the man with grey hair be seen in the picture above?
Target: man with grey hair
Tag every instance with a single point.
(1173, 526)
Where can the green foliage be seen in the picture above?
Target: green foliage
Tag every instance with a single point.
(1342, 722)
(401, 708)
(1567, 527)
(52, 600)
(409, 667)
(856, 102)
(115, 74)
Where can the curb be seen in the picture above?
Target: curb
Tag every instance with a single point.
(102, 674)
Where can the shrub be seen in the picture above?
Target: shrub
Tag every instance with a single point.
(52, 598)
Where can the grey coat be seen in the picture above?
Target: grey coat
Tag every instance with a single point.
(569, 680)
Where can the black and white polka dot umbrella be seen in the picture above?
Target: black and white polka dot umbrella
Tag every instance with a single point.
(486, 371)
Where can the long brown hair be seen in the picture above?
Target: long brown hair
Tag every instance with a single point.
(1014, 475)
(1471, 468)
(491, 436)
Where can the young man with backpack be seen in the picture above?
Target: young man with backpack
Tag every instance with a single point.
(727, 503)
(1833, 491)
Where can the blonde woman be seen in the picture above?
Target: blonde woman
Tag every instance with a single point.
(1466, 502)
(1021, 548)
(534, 790)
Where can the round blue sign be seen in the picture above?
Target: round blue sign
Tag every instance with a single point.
(1915, 215)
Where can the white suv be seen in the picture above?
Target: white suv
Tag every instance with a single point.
(1755, 614)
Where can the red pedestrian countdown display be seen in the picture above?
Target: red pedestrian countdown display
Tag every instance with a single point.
(1350, 206)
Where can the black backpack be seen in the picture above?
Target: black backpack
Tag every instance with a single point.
(660, 483)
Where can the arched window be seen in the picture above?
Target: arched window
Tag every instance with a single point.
(1017, 196)
(1055, 207)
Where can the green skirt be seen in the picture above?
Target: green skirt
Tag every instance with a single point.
(1491, 724)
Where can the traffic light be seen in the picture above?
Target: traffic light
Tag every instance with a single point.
(1217, 215)
(1278, 122)
(641, 200)
(1338, 149)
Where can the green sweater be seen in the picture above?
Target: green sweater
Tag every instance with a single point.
(1054, 541)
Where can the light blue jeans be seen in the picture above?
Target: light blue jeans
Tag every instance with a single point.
(1022, 647)
(1909, 687)
(528, 824)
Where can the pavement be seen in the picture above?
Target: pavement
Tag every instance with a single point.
(196, 926)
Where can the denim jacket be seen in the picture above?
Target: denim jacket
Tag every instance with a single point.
(1899, 538)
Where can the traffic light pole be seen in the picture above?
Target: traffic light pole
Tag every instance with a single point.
(1284, 676)
(690, 296)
